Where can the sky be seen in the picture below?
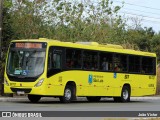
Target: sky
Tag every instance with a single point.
(146, 11)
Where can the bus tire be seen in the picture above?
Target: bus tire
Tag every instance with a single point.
(125, 95)
(94, 99)
(34, 98)
(68, 95)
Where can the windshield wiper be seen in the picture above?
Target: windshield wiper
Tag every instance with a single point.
(28, 58)
(20, 60)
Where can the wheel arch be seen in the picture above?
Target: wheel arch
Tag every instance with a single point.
(127, 85)
(71, 83)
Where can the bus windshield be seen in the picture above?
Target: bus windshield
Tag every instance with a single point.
(25, 63)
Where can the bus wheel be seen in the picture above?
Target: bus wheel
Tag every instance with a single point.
(34, 98)
(68, 94)
(125, 95)
(93, 99)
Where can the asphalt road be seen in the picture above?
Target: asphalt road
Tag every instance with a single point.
(106, 104)
(106, 107)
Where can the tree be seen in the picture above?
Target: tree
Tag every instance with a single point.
(7, 27)
(27, 18)
(155, 45)
(6, 36)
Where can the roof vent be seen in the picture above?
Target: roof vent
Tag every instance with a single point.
(88, 43)
(101, 45)
(42, 38)
(111, 46)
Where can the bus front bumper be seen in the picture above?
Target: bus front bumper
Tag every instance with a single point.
(24, 90)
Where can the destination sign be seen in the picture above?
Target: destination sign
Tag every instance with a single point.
(28, 45)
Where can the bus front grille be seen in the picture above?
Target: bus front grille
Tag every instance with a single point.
(26, 90)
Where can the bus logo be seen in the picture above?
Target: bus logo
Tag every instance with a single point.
(115, 75)
(90, 79)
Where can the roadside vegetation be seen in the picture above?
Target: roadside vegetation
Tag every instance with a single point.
(158, 80)
(72, 20)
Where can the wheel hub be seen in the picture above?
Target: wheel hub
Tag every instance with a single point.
(125, 94)
(68, 94)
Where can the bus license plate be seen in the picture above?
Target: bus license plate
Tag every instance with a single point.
(20, 92)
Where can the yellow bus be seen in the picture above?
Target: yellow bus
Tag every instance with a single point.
(51, 68)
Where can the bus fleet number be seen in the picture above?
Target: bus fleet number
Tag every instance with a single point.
(126, 77)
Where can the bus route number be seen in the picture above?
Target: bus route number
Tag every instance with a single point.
(126, 77)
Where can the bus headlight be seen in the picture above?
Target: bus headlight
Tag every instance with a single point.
(39, 83)
(6, 82)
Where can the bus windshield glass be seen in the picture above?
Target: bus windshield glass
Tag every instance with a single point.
(24, 62)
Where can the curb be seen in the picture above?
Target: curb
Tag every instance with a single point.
(145, 98)
(7, 99)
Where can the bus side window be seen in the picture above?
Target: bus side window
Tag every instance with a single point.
(105, 64)
(148, 65)
(73, 58)
(56, 61)
(135, 64)
(106, 60)
(90, 60)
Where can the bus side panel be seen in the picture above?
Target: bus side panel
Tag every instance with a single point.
(90, 83)
(94, 83)
(55, 85)
(143, 85)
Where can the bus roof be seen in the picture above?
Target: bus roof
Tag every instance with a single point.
(89, 46)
